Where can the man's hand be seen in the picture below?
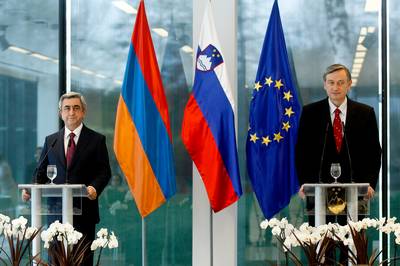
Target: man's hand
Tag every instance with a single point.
(92, 194)
(25, 195)
(370, 193)
(301, 193)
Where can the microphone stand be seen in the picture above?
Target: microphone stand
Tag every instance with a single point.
(348, 153)
(35, 175)
(66, 164)
(323, 154)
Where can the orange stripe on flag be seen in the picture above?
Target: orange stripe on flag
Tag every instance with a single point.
(134, 162)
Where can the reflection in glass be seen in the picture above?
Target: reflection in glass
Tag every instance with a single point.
(341, 32)
(99, 56)
(28, 89)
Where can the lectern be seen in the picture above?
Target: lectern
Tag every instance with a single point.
(337, 199)
(71, 197)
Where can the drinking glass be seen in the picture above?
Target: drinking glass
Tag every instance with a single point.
(336, 171)
(51, 172)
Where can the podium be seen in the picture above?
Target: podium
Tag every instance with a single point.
(70, 194)
(337, 199)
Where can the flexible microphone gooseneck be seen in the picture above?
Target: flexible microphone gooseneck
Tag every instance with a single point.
(35, 176)
(348, 154)
(323, 154)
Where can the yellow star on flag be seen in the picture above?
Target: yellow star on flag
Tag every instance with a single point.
(278, 137)
(266, 140)
(253, 137)
(289, 111)
(278, 84)
(257, 86)
(287, 95)
(286, 126)
(268, 81)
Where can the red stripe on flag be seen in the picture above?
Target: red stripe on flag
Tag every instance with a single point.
(200, 143)
(144, 50)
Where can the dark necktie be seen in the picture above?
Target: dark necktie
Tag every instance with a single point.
(337, 130)
(70, 148)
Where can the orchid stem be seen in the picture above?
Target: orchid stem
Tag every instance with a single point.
(98, 258)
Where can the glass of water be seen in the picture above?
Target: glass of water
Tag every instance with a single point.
(51, 172)
(336, 171)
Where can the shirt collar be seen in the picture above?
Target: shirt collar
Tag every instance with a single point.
(342, 107)
(77, 131)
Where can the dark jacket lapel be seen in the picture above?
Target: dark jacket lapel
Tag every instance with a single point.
(60, 148)
(327, 112)
(349, 116)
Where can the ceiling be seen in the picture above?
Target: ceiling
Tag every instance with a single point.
(318, 33)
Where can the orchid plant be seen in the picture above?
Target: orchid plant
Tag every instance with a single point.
(104, 240)
(316, 242)
(19, 238)
(58, 236)
(63, 244)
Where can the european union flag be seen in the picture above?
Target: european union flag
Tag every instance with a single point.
(273, 123)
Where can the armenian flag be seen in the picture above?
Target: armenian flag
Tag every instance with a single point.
(143, 140)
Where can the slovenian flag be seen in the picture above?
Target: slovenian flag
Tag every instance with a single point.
(143, 141)
(208, 128)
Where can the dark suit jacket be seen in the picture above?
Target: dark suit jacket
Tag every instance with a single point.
(89, 166)
(362, 147)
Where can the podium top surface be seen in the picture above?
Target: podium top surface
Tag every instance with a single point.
(328, 185)
(48, 186)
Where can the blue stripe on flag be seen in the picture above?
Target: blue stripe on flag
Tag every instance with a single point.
(154, 135)
(218, 113)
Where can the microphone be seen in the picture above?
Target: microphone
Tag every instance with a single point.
(348, 153)
(66, 166)
(323, 154)
(66, 175)
(42, 160)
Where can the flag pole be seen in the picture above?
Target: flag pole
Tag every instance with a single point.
(144, 257)
(211, 237)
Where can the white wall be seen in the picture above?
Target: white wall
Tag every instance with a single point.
(219, 245)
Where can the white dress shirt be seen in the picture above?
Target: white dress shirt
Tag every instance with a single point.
(342, 108)
(77, 131)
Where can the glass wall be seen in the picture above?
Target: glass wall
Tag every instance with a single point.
(394, 114)
(318, 34)
(101, 34)
(28, 92)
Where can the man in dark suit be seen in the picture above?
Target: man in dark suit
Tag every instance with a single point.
(338, 130)
(358, 138)
(81, 157)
